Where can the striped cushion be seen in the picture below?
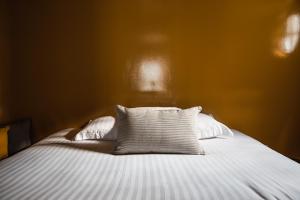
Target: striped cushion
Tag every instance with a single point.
(122, 109)
(157, 131)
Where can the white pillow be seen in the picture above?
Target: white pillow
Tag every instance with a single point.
(208, 127)
(100, 128)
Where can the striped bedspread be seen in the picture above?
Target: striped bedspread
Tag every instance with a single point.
(233, 168)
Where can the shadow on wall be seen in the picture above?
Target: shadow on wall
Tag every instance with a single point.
(4, 63)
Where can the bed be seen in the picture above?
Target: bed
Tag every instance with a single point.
(239, 167)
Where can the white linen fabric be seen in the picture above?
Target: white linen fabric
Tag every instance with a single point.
(234, 168)
(123, 108)
(157, 131)
(100, 128)
(208, 127)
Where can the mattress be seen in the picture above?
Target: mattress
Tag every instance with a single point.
(233, 168)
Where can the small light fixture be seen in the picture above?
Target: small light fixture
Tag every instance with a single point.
(289, 36)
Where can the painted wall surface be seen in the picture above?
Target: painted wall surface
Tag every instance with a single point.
(74, 60)
(4, 63)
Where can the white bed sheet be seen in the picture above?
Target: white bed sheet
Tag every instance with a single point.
(233, 168)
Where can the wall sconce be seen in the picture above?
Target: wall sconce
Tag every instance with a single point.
(150, 75)
(288, 36)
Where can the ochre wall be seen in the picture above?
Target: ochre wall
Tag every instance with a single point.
(74, 60)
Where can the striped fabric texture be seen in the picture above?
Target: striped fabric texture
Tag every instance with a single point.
(123, 108)
(157, 131)
(236, 168)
